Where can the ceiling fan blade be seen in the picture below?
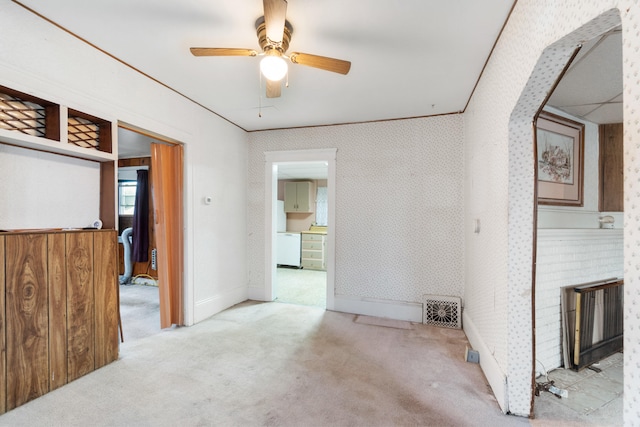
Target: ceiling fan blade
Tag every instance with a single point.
(274, 89)
(275, 12)
(322, 62)
(221, 51)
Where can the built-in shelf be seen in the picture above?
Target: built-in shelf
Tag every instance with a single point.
(51, 146)
(34, 123)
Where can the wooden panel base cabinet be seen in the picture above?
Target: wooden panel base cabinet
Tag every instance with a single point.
(58, 309)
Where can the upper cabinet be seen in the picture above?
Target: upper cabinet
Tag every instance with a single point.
(297, 197)
(611, 171)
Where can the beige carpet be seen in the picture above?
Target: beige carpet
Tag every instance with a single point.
(139, 311)
(271, 364)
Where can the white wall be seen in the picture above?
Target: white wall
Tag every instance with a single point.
(565, 258)
(39, 59)
(44, 190)
(398, 206)
(533, 48)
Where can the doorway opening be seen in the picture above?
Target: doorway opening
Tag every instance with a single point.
(299, 227)
(567, 232)
(141, 267)
(301, 203)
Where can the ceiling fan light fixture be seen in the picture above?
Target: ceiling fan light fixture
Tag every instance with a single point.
(273, 67)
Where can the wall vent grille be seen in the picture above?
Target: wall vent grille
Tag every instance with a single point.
(83, 133)
(23, 116)
(442, 311)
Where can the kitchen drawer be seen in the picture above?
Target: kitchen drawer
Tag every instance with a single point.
(312, 264)
(310, 236)
(312, 254)
(313, 245)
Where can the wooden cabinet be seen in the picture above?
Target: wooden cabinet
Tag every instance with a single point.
(27, 318)
(3, 331)
(60, 311)
(297, 196)
(313, 251)
(611, 167)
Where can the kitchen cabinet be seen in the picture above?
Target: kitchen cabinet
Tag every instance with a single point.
(58, 309)
(611, 170)
(297, 196)
(313, 251)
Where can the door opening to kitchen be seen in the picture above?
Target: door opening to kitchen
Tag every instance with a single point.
(302, 256)
(301, 204)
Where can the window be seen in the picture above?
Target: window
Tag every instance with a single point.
(126, 197)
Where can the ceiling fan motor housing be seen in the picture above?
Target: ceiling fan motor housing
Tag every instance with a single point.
(267, 44)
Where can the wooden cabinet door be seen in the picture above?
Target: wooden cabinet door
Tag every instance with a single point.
(80, 310)
(27, 318)
(303, 190)
(57, 284)
(290, 196)
(3, 348)
(106, 297)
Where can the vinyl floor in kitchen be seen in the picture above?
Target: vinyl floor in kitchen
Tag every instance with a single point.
(301, 286)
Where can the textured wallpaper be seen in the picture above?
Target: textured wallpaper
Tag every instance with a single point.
(530, 55)
(398, 205)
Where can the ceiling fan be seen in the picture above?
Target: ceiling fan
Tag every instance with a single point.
(274, 35)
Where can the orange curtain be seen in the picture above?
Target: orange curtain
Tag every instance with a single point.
(167, 176)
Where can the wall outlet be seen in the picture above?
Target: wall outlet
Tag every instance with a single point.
(154, 257)
(471, 356)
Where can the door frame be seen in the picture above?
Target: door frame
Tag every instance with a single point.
(272, 159)
(185, 290)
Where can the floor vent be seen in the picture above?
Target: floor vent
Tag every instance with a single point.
(442, 311)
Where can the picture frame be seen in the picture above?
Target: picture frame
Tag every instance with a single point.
(559, 160)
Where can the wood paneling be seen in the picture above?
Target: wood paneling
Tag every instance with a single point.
(611, 168)
(108, 195)
(80, 310)
(58, 310)
(3, 348)
(106, 298)
(27, 319)
(57, 278)
(135, 161)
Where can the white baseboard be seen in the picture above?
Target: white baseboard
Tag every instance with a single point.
(398, 310)
(256, 294)
(208, 307)
(497, 379)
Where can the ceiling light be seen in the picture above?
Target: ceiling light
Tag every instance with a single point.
(273, 67)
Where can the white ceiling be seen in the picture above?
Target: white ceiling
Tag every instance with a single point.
(409, 58)
(592, 86)
(303, 170)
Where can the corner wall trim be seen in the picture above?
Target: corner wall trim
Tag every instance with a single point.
(398, 310)
(488, 363)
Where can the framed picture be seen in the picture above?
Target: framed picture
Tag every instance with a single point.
(560, 160)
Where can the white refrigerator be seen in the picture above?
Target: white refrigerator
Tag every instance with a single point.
(288, 243)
